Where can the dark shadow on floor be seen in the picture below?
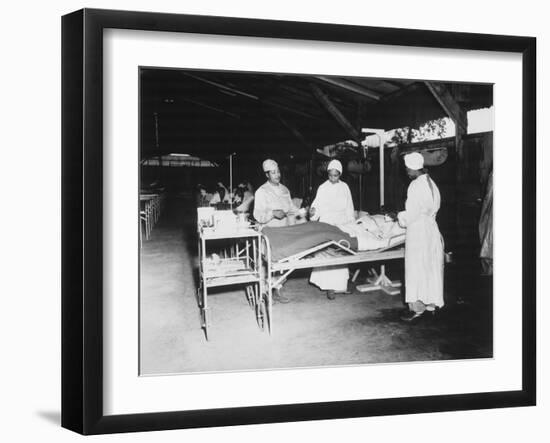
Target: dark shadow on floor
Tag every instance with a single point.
(53, 417)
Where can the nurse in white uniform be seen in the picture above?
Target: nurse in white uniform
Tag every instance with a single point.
(423, 242)
(334, 205)
(273, 206)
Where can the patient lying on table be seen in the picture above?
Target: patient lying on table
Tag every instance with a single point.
(365, 234)
(374, 232)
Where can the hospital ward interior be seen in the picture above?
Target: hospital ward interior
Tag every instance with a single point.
(299, 221)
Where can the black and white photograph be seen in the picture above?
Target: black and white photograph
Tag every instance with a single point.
(274, 221)
(303, 221)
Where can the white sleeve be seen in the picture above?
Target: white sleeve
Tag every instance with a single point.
(262, 213)
(215, 198)
(292, 206)
(402, 219)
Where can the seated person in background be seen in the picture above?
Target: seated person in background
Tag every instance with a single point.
(272, 202)
(333, 204)
(225, 195)
(249, 193)
(220, 195)
(238, 193)
(215, 198)
(248, 186)
(203, 199)
(243, 199)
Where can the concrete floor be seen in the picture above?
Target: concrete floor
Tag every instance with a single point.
(309, 331)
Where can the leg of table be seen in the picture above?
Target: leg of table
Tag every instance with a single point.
(204, 293)
(269, 303)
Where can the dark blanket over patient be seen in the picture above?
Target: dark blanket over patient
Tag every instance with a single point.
(290, 240)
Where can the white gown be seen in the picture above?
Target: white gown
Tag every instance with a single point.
(269, 198)
(333, 204)
(423, 244)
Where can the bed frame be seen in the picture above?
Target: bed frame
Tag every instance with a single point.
(330, 253)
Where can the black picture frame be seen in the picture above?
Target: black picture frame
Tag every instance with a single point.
(82, 232)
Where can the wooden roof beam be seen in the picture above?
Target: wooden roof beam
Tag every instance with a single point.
(335, 112)
(400, 92)
(225, 89)
(212, 108)
(396, 83)
(451, 107)
(294, 131)
(350, 87)
(222, 86)
(289, 109)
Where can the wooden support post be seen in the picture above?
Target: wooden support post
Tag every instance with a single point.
(459, 146)
(380, 134)
(453, 109)
(459, 180)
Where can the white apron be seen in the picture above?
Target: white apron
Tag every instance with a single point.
(269, 198)
(423, 244)
(333, 205)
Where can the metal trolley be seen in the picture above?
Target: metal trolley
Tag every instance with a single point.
(238, 261)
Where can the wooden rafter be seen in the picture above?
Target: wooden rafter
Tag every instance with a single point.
(294, 131)
(350, 87)
(222, 86)
(288, 108)
(210, 107)
(458, 115)
(449, 104)
(225, 89)
(335, 112)
(400, 92)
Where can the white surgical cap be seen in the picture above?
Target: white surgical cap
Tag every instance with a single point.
(269, 165)
(414, 161)
(335, 164)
